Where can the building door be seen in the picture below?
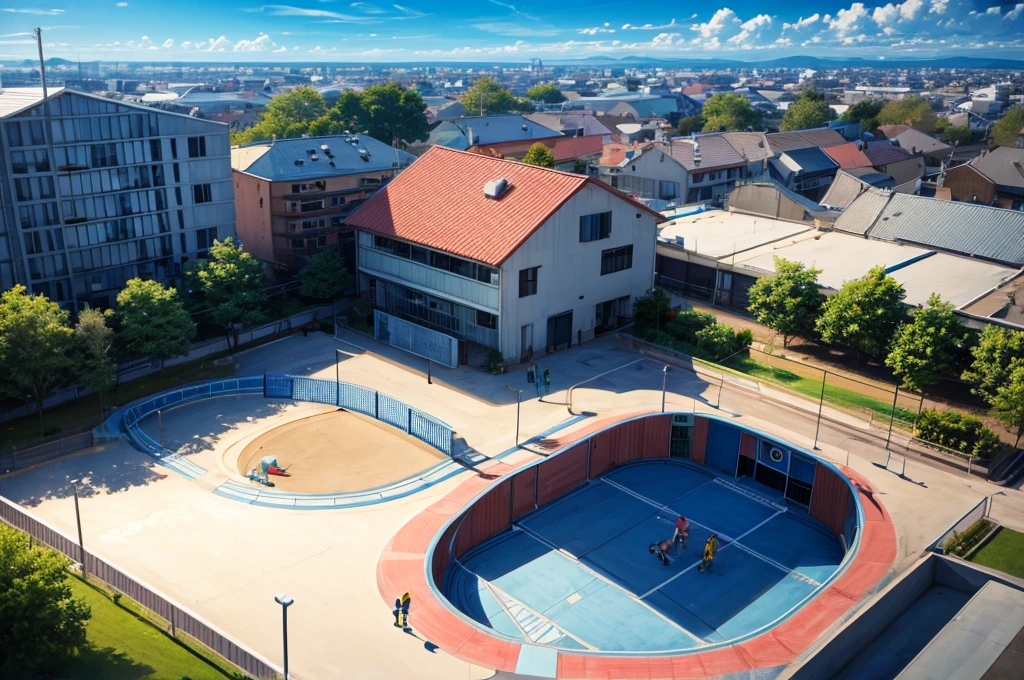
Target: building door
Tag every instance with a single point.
(559, 331)
(526, 342)
(724, 294)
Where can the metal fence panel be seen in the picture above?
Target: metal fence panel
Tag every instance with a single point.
(431, 431)
(973, 515)
(415, 339)
(313, 389)
(356, 398)
(393, 412)
(277, 386)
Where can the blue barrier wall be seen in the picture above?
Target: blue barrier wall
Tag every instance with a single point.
(723, 448)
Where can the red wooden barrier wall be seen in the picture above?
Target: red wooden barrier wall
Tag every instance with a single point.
(562, 473)
(524, 492)
(829, 499)
(486, 517)
(748, 445)
(700, 439)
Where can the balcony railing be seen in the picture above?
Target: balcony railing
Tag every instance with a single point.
(451, 286)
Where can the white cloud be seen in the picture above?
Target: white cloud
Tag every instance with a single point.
(721, 19)
(596, 30)
(650, 27)
(848, 20)
(367, 8)
(515, 30)
(260, 44)
(801, 23)
(121, 4)
(939, 7)
(335, 17)
(45, 12)
(168, 44)
(282, 48)
(1014, 13)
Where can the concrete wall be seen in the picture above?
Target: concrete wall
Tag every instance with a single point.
(652, 164)
(569, 278)
(252, 214)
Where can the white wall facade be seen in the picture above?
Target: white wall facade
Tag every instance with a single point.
(654, 165)
(569, 274)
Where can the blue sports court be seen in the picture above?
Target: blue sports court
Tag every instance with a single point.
(578, 573)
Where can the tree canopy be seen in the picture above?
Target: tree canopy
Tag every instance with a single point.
(929, 347)
(1008, 402)
(285, 116)
(789, 301)
(388, 113)
(152, 321)
(810, 111)
(864, 314)
(729, 112)
(229, 286)
(865, 112)
(36, 343)
(488, 94)
(325, 276)
(913, 111)
(1007, 129)
(545, 92)
(997, 353)
(41, 624)
(95, 367)
(540, 155)
(691, 124)
(956, 135)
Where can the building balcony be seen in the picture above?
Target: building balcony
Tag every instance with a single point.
(456, 288)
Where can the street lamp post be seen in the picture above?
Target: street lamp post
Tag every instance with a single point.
(892, 415)
(78, 521)
(285, 602)
(337, 377)
(664, 383)
(519, 404)
(821, 403)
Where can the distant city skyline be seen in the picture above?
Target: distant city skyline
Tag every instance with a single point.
(500, 31)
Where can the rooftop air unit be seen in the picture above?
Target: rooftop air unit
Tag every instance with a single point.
(324, 147)
(496, 188)
(314, 157)
(299, 161)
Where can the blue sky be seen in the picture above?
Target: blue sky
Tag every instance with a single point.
(500, 30)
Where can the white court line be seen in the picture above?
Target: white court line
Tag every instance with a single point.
(779, 566)
(749, 494)
(499, 594)
(613, 584)
(664, 507)
(733, 542)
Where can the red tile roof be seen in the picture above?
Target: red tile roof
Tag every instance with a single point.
(439, 202)
(848, 156)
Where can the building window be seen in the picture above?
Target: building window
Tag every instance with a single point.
(205, 239)
(196, 147)
(154, 150)
(616, 259)
(298, 243)
(595, 227)
(201, 193)
(486, 319)
(699, 177)
(528, 281)
(337, 200)
(174, 147)
(669, 190)
(310, 206)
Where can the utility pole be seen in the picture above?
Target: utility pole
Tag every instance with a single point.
(821, 402)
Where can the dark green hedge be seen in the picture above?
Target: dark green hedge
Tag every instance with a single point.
(958, 431)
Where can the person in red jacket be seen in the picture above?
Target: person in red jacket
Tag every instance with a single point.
(682, 531)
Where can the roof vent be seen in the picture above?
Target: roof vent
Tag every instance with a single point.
(525, 128)
(299, 162)
(311, 151)
(364, 154)
(314, 157)
(324, 147)
(331, 163)
(496, 188)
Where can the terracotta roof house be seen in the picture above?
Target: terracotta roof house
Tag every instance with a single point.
(509, 256)
(567, 150)
(848, 156)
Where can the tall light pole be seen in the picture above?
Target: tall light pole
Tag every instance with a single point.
(285, 602)
(821, 403)
(892, 415)
(337, 377)
(664, 383)
(78, 520)
(519, 404)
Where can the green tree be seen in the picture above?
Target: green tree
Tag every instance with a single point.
(864, 112)
(152, 321)
(1007, 129)
(864, 314)
(540, 155)
(789, 301)
(956, 135)
(287, 115)
(651, 311)
(810, 111)
(95, 338)
(729, 112)
(390, 114)
(929, 347)
(545, 92)
(325, 276)
(995, 356)
(486, 93)
(1008, 403)
(913, 111)
(229, 286)
(41, 624)
(691, 124)
(343, 116)
(35, 347)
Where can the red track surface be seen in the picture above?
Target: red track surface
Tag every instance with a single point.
(402, 569)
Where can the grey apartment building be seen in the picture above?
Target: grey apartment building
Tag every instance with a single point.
(94, 192)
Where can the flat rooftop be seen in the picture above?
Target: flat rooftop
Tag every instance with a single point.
(719, 233)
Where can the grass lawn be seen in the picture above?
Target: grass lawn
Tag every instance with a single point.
(123, 646)
(1004, 552)
(837, 396)
(83, 414)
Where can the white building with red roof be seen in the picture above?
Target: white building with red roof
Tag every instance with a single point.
(511, 256)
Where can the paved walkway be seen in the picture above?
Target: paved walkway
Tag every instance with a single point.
(227, 560)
